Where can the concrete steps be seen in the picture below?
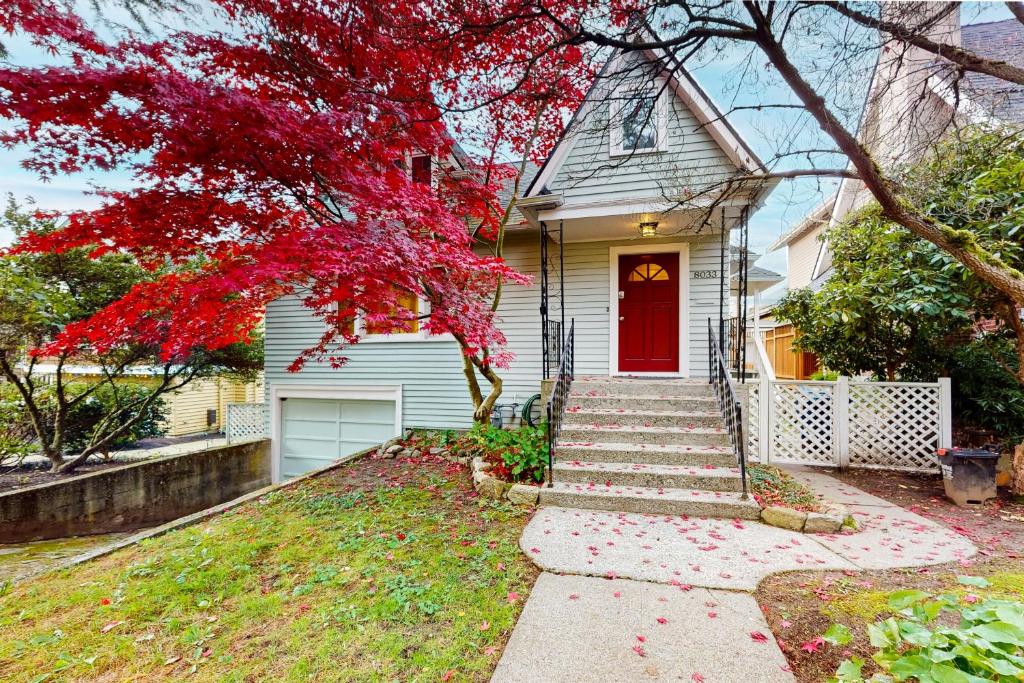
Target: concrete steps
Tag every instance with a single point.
(646, 445)
(665, 436)
(642, 402)
(672, 388)
(703, 477)
(652, 454)
(692, 503)
(644, 418)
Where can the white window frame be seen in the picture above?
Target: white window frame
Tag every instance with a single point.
(619, 99)
(419, 336)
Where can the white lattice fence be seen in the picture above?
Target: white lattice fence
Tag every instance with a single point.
(753, 436)
(802, 423)
(245, 421)
(895, 425)
(850, 424)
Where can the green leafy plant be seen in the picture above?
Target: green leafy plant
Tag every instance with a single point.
(521, 453)
(945, 639)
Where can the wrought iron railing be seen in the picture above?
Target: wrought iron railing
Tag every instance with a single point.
(728, 401)
(560, 395)
(552, 347)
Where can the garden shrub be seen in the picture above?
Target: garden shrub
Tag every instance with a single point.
(517, 454)
(87, 416)
(943, 638)
(985, 393)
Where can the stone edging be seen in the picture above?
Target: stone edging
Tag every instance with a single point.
(195, 517)
(831, 521)
(486, 486)
(492, 487)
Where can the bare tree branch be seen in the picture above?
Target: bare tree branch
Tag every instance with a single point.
(965, 59)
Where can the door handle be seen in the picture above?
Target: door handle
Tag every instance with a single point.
(621, 318)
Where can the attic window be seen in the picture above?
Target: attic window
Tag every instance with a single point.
(421, 169)
(638, 122)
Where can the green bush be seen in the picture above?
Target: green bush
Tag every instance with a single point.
(985, 394)
(17, 438)
(942, 638)
(522, 452)
(87, 416)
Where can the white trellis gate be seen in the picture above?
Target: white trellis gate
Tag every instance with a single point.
(245, 421)
(848, 423)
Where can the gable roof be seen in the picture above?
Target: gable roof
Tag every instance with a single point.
(685, 87)
(1003, 41)
(818, 216)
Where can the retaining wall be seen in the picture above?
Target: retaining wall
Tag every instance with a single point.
(136, 495)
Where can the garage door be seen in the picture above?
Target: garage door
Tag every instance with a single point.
(315, 432)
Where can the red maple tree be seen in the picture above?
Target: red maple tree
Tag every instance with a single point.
(270, 156)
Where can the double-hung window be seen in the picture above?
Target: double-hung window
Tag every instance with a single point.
(637, 121)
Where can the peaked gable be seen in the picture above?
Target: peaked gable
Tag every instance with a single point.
(696, 145)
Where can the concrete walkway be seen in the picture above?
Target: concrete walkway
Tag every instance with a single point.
(185, 445)
(679, 567)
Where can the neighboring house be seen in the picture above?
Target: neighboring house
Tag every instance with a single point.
(197, 408)
(642, 274)
(912, 101)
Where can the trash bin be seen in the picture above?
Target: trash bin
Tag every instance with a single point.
(968, 474)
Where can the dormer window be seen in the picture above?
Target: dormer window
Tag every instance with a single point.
(421, 169)
(637, 122)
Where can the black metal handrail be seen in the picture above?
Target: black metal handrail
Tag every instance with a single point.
(728, 402)
(560, 395)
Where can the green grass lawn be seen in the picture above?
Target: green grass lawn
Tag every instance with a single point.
(378, 571)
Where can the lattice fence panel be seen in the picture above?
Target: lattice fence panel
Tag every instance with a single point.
(894, 425)
(802, 430)
(753, 435)
(246, 421)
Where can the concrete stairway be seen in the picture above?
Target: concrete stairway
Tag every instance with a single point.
(646, 445)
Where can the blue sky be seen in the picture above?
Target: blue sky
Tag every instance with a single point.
(786, 206)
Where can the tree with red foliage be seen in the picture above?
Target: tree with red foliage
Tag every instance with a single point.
(269, 157)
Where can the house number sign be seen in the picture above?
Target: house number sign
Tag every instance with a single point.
(705, 274)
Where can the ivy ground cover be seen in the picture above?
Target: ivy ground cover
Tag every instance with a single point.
(380, 570)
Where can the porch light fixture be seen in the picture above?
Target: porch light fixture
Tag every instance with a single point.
(649, 229)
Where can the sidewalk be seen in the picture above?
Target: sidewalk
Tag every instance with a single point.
(676, 568)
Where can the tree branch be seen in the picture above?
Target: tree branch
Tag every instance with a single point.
(957, 55)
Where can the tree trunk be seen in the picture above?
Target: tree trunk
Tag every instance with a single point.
(1017, 473)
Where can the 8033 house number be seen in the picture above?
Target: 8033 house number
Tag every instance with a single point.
(705, 274)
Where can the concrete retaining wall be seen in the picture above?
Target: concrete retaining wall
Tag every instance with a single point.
(136, 495)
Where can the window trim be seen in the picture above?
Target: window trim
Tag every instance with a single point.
(618, 102)
(359, 327)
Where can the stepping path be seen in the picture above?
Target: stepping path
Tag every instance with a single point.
(676, 564)
(585, 630)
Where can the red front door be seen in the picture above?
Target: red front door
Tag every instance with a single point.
(649, 313)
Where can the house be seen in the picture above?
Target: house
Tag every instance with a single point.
(913, 99)
(199, 407)
(912, 81)
(608, 229)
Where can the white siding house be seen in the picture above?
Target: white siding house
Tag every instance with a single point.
(641, 297)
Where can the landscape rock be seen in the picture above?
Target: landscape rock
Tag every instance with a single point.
(435, 450)
(393, 448)
(784, 518)
(480, 465)
(404, 453)
(416, 453)
(522, 494)
(478, 477)
(463, 459)
(489, 487)
(821, 523)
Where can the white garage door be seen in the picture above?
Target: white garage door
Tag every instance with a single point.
(315, 431)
